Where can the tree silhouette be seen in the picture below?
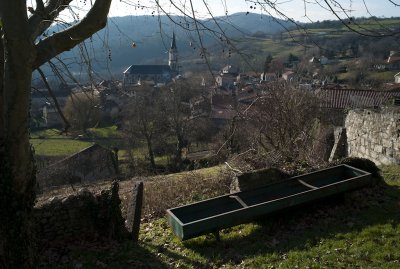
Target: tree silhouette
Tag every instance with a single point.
(23, 48)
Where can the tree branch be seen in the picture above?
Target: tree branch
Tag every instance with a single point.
(95, 20)
(40, 5)
(44, 16)
(66, 123)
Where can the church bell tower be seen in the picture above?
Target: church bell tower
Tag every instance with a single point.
(173, 55)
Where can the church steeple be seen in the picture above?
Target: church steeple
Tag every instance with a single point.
(173, 42)
(173, 55)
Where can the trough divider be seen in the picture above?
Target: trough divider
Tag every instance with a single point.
(237, 198)
(307, 185)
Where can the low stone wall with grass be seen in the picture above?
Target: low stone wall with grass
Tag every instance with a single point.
(88, 165)
(83, 216)
(374, 134)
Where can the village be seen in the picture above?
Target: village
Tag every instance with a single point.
(228, 88)
(208, 103)
(264, 149)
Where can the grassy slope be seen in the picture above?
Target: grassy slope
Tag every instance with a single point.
(359, 230)
(291, 43)
(50, 143)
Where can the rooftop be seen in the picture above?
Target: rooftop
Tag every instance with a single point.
(148, 69)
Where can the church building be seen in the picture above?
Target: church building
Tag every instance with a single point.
(153, 74)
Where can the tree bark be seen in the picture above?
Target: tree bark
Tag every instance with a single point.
(18, 57)
(17, 174)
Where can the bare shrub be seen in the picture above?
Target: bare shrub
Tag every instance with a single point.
(284, 122)
(83, 110)
(159, 195)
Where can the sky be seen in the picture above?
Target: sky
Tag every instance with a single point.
(295, 9)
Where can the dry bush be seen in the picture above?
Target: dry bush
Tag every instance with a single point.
(82, 110)
(283, 121)
(163, 194)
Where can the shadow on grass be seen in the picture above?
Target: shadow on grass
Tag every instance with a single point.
(100, 255)
(303, 227)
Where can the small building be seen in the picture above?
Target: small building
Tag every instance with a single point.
(324, 60)
(222, 109)
(314, 60)
(268, 76)
(393, 61)
(397, 78)
(227, 77)
(289, 76)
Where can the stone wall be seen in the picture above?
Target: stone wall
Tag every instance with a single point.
(374, 134)
(83, 216)
(88, 165)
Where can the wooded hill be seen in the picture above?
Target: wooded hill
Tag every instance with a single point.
(145, 40)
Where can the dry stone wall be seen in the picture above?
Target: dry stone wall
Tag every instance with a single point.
(83, 216)
(374, 134)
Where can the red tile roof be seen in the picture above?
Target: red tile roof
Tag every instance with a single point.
(349, 98)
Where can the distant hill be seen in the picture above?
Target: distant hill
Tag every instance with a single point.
(255, 36)
(251, 23)
(152, 37)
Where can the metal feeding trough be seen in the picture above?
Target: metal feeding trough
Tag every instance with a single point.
(228, 210)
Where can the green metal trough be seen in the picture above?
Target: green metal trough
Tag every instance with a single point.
(228, 210)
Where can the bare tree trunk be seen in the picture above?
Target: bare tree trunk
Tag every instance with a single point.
(18, 57)
(150, 151)
(17, 172)
(178, 151)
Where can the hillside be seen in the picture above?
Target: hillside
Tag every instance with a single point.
(361, 230)
(253, 36)
(112, 47)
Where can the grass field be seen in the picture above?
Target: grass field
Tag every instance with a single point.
(50, 143)
(359, 230)
(58, 146)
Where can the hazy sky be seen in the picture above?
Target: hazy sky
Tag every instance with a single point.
(315, 9)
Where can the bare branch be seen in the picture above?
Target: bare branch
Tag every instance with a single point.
(95, 20)
(59, 110)
(44, 16)
(394, 3)
(352, 28)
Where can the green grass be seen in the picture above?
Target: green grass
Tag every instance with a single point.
(387, 76)
(359, 230)
(51, 143)
(105, 132)
(48, 133)
(58, 146)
